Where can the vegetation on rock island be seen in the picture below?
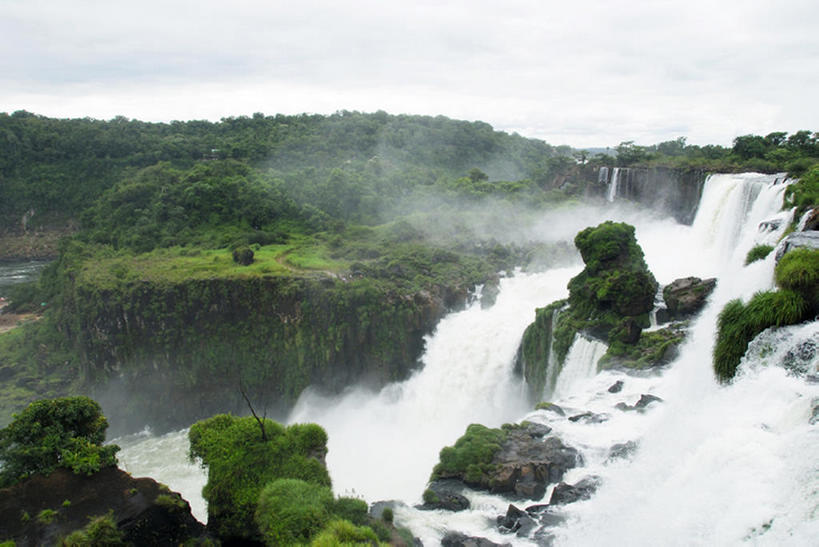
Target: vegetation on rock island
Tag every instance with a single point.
(797, 300)
(609, 300)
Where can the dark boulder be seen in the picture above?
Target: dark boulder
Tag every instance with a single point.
(527, 463)
(446, 495)
(550, 407)
(616, 387)
(516, 521)
(490, 292)
(564, 494)
(457, 539)
(621, 451)
(589, 418)
(686, 296)
(144, 511)
(645, 400)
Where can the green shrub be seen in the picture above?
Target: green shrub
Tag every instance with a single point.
(240, 463)
(170, 502)
(342, 532)
(352, 509)
(430, 497)
(46, 516)
(292, 511)
(739, 323)
(100, 531)
(387, 515)
(50, 433)
(798, 270)
(804, 193)
(471, 456)
(759, 252)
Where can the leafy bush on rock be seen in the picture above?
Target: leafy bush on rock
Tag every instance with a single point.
(50, 433)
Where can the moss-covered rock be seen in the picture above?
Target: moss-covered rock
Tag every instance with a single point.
(241, 462)
(519, 460)
(797, 275)
(609, 300)
(654, 348)
(686, 296)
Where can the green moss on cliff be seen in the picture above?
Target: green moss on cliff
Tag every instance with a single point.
(533, 357)
(610, 300)
(797, 275)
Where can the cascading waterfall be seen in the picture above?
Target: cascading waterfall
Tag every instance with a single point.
(384, 445)
(613, 184)
(717, 465)
(580, 364)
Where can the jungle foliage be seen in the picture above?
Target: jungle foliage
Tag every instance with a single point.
(241, 464)
(66, 432)
(797, 276)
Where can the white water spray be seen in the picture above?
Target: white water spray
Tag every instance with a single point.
(716, 465)
(384, 445)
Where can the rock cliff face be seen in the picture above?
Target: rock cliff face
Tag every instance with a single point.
(44, 509)
(184, 351)
(674, 191)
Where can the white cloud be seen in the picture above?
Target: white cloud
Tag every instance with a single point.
(582, 73)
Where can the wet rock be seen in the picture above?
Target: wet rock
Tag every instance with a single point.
(589, 418)
(564, 494)
(616, 387)
(814, 418)
(146, 512)
(527, 463)
(377, 508)
(798, 240)
(490, 292)
(645, 400)
(446, 495)
(550, 407)
(686, 296)
(457, 539)
(622, 450)
(516, 521)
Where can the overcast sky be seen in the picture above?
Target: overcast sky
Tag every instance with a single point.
(579, 72)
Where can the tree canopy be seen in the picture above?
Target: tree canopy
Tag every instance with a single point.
(50, 433)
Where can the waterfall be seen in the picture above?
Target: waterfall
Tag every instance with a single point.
(613, 183)
(715, 465)
(383, 445)
(580, 364)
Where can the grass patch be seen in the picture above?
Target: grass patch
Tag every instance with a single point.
(758, 252)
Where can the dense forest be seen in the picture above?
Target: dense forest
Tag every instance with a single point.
(175, 235)
(212, 267)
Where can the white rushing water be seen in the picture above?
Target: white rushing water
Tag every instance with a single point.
(715, 465)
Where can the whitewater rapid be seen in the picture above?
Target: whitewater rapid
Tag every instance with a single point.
(715, 465)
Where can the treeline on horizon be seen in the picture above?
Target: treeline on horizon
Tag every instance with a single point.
(134, 186)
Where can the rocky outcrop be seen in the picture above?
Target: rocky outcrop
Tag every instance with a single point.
(516, 521)
(564, 493)
(526, 463)
(609, 300)
(457, 539)
(446, 495)
(687, 296)
(43, 509)
(645, 400)
(798, 240)
(518, 461)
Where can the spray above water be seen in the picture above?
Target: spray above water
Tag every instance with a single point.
(714, 465)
